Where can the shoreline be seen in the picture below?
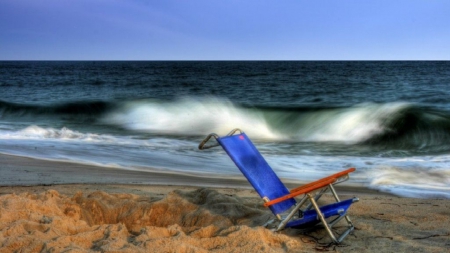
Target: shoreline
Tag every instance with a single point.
(111, 210)
(25, 171)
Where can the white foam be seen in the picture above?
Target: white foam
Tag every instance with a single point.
(188, 117)
(355, 124)
(36, 132)
(191, 116)
(411, 182)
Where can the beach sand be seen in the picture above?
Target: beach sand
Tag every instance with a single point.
(61, 207)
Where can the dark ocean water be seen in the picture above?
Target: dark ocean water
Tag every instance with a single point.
(390, 120)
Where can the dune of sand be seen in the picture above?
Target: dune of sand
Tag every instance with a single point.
(155, 219)
(199, 221)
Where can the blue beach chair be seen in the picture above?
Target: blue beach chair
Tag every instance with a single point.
(289, 212)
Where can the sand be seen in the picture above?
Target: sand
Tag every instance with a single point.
(136, 217)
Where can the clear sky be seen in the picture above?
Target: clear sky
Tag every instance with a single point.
(224, 30)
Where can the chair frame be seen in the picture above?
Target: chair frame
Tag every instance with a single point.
(311, 192)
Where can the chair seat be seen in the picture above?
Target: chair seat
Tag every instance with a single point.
(310, 217)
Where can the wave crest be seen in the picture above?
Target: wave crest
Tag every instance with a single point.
(199, 116)
(189, 117)
(397, 125)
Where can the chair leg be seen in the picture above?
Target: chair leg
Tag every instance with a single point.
(343, 235)
(346, 232)
(336, 197)
(322, 218)
(350, 228)
(327, 225)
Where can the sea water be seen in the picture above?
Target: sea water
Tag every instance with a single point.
(390, 120)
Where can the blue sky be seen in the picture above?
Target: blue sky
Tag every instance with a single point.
(224, 30)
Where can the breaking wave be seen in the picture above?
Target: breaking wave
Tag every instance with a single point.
(395, 125)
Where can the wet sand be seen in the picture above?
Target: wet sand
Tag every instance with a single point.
(62, 207)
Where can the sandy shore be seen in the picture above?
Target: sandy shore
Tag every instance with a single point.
(62, 207)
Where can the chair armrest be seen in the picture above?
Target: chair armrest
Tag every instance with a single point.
(334, 176)
(309, 188)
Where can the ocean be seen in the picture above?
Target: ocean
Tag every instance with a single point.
(388, 119)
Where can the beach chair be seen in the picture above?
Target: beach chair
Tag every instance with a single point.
(290, 213)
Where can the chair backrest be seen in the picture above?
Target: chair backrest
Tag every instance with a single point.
(257, 171)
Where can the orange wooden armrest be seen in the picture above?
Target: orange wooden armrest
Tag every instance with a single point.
(310, 188)
(335, 176)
